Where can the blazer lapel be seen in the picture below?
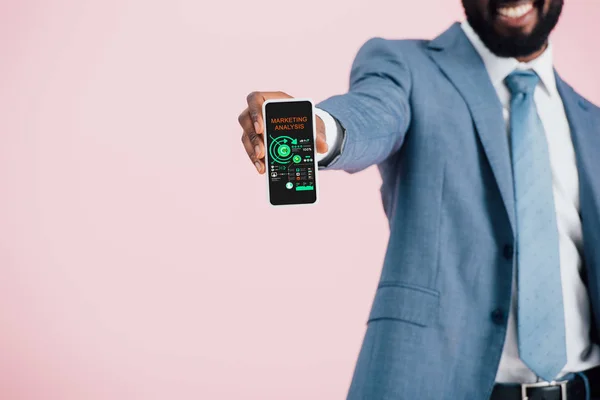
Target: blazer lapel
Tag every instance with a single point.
(585, 134)
(462, 65)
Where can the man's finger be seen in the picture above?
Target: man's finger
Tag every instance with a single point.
(322, 146)
(250, 150)
(255, 102)
(255, 139)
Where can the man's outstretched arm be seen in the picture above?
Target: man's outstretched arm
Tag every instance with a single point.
(373, 116)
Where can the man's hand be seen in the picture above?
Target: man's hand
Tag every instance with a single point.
(253, 126)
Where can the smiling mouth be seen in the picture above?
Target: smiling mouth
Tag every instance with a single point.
(516, 14)
(515, 10)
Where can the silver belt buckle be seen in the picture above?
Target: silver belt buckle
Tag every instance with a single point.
(562, 384)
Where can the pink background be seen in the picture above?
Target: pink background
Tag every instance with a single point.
(133, 228)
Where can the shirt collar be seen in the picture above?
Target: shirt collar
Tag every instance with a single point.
(499, 68)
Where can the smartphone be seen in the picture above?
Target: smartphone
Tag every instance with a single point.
(290, 135)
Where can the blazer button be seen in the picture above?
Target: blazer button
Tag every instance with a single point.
(508, 252)
(498, 316)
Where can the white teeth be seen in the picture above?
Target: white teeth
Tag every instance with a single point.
(516, 11)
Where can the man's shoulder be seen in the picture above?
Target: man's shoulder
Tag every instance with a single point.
(417, 46)
(587, 103)
(401, 49)
(397, 44)
(583, 101)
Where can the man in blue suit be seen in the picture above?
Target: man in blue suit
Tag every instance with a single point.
(490, 287)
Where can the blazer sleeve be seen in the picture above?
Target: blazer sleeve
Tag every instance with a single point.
(375, 113)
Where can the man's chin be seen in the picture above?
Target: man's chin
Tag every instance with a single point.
(514, 30)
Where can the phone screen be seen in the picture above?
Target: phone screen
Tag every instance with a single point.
(290, 147)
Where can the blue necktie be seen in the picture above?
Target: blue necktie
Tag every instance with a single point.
(540, 311)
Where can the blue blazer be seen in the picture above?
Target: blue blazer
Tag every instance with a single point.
(427, 114)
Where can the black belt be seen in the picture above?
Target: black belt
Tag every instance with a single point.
(572, 389)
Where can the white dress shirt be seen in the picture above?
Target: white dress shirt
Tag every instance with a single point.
(582, 354)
